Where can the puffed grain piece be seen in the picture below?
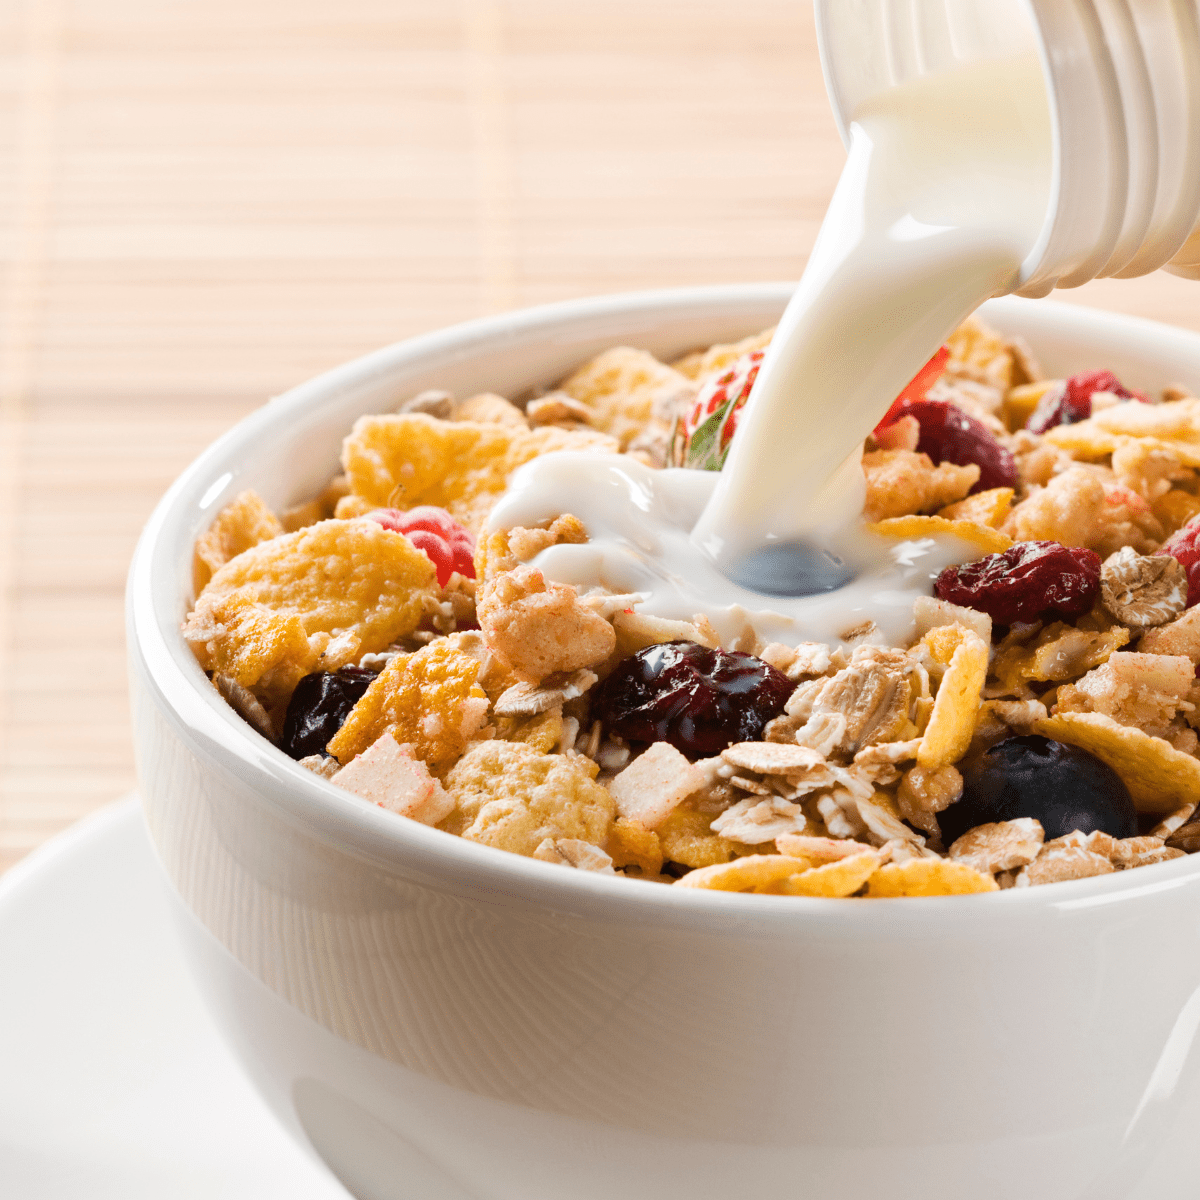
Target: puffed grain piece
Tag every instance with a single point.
(536, 628)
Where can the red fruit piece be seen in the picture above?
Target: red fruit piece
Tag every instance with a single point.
(713, 418)
(949, 435)
(1184, 546)
(1025, 582)
(1072, 401)
(916, 388)
(449, 546)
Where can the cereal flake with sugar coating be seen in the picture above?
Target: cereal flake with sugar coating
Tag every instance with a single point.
(929, 877)
(430, 701)
(243, 522)
(988, 540)
(323, 595)
(752, 873)
(702, 363)
(512, 797)
(401, 461)
(902, 481)
(956, 705)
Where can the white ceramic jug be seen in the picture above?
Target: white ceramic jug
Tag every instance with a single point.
(1123, 82)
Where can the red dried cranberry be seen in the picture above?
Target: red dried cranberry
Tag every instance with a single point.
(699, 700)
(319, 705)
(449, 546)
(1025, 582)
(1072, 401)
(949, 435)
(1184, 546)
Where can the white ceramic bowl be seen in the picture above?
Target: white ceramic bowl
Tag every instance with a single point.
(440, 1019)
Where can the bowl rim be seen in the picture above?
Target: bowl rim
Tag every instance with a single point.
(162, 664)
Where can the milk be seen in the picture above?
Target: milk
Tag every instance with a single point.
(944, 193)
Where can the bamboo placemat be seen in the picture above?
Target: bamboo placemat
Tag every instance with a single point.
(203, 204)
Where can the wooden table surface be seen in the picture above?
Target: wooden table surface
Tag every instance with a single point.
(202, 204)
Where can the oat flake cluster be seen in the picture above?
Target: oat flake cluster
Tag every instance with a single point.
(1039, 726)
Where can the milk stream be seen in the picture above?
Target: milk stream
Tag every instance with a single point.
(943, 195)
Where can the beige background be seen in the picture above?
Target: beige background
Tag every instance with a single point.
(203, 202)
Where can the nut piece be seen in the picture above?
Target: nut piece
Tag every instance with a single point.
(926, 791)
(1142, 591)
(1001, 845)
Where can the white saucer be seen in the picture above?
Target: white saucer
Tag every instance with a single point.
(113, 1083)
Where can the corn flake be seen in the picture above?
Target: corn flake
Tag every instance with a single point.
(511, 797)
(753, 873)
(952, 721)
(928, 877)
(1160, 778)
(404, 460)
(717, 358)
(990, 541)
(988, 508)
(835, 879)
(429, 701)
(242, 523)
(631, 844)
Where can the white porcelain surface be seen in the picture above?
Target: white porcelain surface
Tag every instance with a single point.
(113, 1083)
(523, 1032)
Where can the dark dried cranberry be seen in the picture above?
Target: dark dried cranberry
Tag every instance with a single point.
(319, 705)
(699, 700)
(949, 435)
(1063, 787)
(1025, 582)
(1184, 546)
(1072, 401)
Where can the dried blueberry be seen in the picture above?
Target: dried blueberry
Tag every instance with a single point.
(1064, 787)
(319, 705)
(699, 700)
(1025, 582)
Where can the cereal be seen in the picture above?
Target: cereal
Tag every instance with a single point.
(512, 797)
(561, 727)
(430, 701)
(1159, 778)
(929, 877)
(401, 461)
(242, 523)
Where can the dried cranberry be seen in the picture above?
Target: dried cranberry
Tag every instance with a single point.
(319, 705)
(949, 435)
(1072, 401)
(449, 546)
(699, 700)
(1184, 546)
(1025, 582)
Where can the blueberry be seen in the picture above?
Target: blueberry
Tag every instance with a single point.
(699, 700)
(1064, 787)
(319, 705)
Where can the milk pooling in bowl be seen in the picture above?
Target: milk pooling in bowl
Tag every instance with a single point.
(942, 200)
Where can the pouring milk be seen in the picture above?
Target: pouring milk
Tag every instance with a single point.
(943, 195)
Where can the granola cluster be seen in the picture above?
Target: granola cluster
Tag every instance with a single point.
(1040, 725)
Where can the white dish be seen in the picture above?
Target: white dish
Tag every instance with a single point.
(113, 1083)
(523, 1032)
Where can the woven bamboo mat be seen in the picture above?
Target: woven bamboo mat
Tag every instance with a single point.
(203, 204)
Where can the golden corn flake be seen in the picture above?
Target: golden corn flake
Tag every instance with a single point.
(702, 363)
(543, 731)
(1160, 778)
(835, 879)
(989, 508)
(349, 587)
(1020, 402)
(512, 797)
(410, 459)
(622, 387)
(429, 700)
(753, 873)
(990, 541)
(978, 352)
(903, 481)
(686, 837)
(631, 844)
(952, 721)
(242, 523)
(1175, 509)
(1059, 652)
(928, 877)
